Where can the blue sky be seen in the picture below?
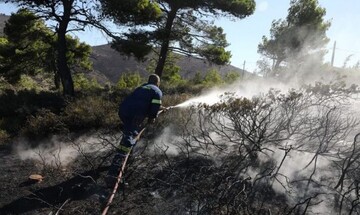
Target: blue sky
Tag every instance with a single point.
(245, 35)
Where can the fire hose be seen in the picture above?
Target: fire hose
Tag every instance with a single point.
(119, 177)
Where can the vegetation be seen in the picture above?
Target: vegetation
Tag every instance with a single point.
(84, 84)
(280, 153)
(302, 36)
(129, 81)
(292, 152)
(31, 110)
(262, 155)
(63, 13)
(178, 26)
(29, 48)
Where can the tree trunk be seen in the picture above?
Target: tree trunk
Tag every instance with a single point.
(165, 44)
(57, 80)
(62, 66)
(63, 69)
(276, 66)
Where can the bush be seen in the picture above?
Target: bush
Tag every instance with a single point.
(90, 112)
(212, 78)
(82, 83)
(42, 113)
(43, 124)
(12, 125)
(184, 88)
(231, 77)
(27, 83)
(171, 76)
(16, 107)
(129, 81)
(81, 113)
(197, 79)
(5, 86)
(4, 137)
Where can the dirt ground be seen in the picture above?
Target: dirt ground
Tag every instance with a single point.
(150, 188)
(77, 189)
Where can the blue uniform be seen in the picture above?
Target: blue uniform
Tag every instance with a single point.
(144, 102)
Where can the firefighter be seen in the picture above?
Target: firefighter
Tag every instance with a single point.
(144, 102)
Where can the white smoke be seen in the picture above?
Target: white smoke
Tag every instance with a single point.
(57, 151)
(167, 141)
(296, 165)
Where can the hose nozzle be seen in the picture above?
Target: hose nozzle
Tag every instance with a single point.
(169, 108)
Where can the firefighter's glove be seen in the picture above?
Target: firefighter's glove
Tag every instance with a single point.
(165, 109)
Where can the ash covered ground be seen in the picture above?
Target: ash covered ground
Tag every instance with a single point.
(75, 188)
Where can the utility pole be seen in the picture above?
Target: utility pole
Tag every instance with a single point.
(333, 55)
(244, 68)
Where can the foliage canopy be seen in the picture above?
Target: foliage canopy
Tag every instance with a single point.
(78, 13)
(29, 47)
(300, 36)
(180, 26)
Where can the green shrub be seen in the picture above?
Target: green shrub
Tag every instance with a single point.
(231, 77)
(17, 106)
(42, 124)
(212, 78)
(197, 79)
(82, 83)
(171, 75)
(90, 112)
(173, 81)
(27, 83)
(183, 88)
(129, 81)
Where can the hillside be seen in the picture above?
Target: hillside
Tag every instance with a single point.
(112, 64)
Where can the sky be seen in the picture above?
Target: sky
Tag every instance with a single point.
(244, 35)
